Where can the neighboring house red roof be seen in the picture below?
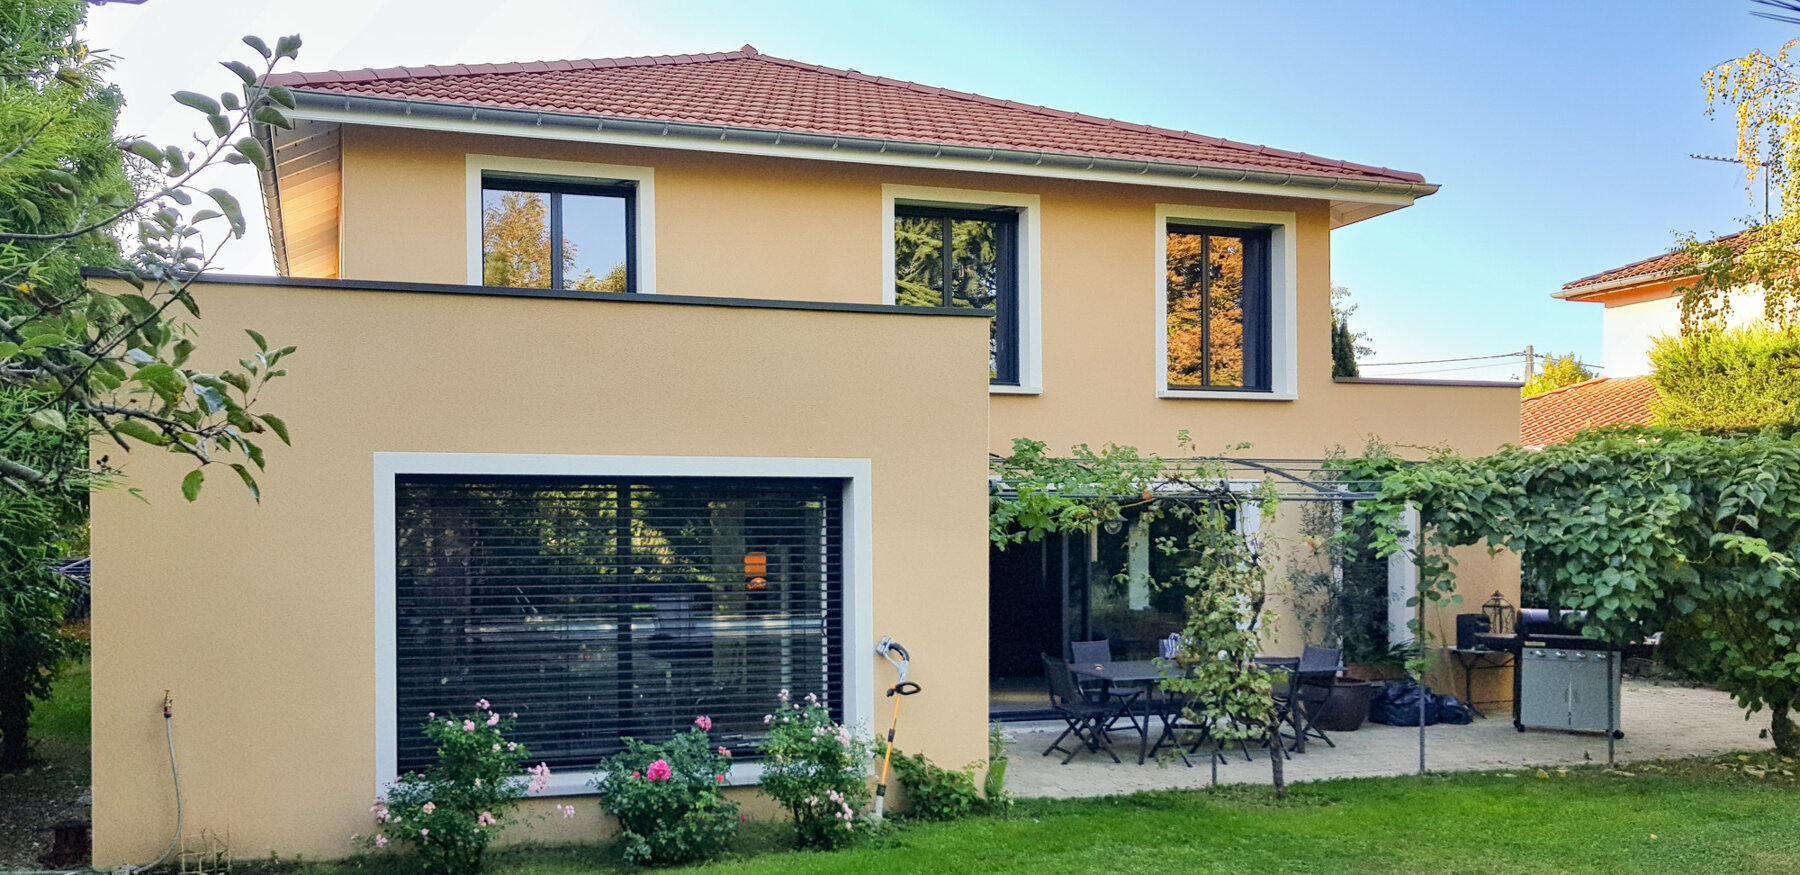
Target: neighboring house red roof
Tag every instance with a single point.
(747, 89)
(1556, 415)
(1655, 267)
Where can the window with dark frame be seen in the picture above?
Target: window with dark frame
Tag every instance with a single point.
(607, 608)
(981, 272)
(1216, 308)
(558, 234)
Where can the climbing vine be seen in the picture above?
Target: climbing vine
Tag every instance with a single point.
(1646, 530)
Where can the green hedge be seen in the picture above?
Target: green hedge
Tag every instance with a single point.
(1740, 379)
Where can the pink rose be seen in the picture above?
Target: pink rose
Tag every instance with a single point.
(660, 771)
(424, 832)
(724, 751)
(429, 807)
(704, 722)
(468, 726)
(482, 704)
(381, 841)
(493, 718)
(568, 812)
(485, 819)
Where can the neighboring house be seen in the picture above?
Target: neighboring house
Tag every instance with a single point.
(1555, 416)
(1643, 302)
(736, 428)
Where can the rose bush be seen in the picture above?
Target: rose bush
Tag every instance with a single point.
(450, 812)
(815, 768)
(669, 799)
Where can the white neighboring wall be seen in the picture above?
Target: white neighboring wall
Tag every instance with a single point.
(1628, 330)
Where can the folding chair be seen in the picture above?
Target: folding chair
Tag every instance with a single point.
(1086, 718)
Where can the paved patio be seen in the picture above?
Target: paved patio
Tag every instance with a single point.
(1658, 720)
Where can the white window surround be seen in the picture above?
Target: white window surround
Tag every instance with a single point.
(1284, 298)
(859, 618)
(1031, 298)
(643, 178)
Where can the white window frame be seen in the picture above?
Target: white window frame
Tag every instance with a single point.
(641, 178)
(859, 574)
(1284, 298)
(1030, 270)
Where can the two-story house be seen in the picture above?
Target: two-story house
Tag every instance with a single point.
(635, 389)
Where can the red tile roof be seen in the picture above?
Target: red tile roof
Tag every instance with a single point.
(1655, 267)
(1556, 415)
(747, 89)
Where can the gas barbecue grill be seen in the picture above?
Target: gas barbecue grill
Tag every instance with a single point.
(1565, 681)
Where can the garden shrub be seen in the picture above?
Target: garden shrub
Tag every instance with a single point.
(933, 792)
(669, 799)
(815, 769)
(450, 812)
(1727, 380)
(994, 784)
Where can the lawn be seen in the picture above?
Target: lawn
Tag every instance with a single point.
(1715, 815)
(54, 788)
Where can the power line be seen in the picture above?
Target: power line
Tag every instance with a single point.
(1503, 355)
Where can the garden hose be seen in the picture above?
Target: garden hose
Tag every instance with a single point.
(901, 689)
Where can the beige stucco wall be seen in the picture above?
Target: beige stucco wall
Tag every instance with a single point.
(1635, 317)
(258, 618)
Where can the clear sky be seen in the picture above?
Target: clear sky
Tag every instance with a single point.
(1559, 130)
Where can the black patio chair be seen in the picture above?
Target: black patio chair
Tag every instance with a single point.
(1313, 682)
(1100, 653)
(1086, 718)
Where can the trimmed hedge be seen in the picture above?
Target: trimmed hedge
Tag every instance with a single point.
(1739, 379)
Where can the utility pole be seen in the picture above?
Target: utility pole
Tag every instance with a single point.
(1530, 361)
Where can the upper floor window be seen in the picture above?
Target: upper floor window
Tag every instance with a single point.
(1217, 308)
(543, 234)
(981, 271)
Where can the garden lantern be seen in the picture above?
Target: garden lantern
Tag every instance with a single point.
(1500, 615)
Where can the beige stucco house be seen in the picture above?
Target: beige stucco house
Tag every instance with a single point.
(634, 389)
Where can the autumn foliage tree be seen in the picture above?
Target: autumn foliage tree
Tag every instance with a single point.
(1205, 309)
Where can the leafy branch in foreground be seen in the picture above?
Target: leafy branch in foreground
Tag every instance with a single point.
(117, 364)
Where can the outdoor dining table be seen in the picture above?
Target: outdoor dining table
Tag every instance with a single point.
(1142, 673)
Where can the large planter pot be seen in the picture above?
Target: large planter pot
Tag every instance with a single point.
(1347, 706)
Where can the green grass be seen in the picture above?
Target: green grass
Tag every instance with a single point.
(67, 715)
(1729, 814)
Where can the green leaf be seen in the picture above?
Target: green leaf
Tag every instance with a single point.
(288, 46)
(242, 70)
(228, 205)
(230, 101)
(271, 116)
(146, 150)
(49, 419)
(198, 101)
(261, 344)
(133, 428)
(277, 426)
(220, 126)
(282, 96)
(8, 349)
(190, 485)
(249, 481)
(252, 150)
(261, 47)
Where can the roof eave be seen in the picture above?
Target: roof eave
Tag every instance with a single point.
(332, 106)
(1582, 293)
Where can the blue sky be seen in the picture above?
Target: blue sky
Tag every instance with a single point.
(1559, 131)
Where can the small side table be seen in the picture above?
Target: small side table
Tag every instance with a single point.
(1472, 660)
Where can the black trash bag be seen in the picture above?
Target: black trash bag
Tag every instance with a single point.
(1398, 704)
(1451, 710)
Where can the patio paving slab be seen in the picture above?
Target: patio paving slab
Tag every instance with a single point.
(1659, 720)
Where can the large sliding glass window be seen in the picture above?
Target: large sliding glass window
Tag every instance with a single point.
(601, 609)
(541, 234)
(981, 272)
(1217, 308)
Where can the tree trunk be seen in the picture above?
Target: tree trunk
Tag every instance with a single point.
(15, 723)
(1783, 731)
(1276, 756)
